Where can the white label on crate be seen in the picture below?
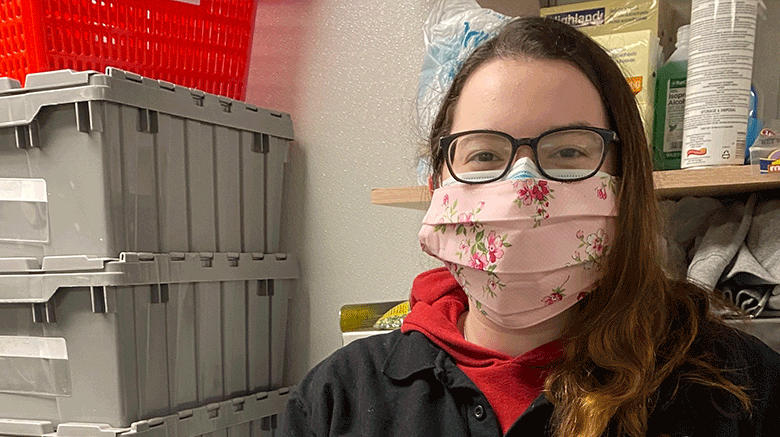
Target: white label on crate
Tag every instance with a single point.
(23, 190)
(192, 2)
(33, 347)
(34, 365)
(24, 211)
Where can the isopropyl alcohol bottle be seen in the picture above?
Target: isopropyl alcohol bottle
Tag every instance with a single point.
(670, 105)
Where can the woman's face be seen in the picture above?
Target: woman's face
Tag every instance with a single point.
(525, 98)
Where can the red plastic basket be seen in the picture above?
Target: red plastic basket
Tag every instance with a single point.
(202, 44)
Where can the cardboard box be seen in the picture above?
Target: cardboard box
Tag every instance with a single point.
(636, 53)
(603, 17)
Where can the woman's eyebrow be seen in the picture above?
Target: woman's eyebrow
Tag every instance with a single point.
(574, 124)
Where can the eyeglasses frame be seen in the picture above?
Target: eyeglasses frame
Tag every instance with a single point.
(607, 135)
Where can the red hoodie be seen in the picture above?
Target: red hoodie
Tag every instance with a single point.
(509, 383)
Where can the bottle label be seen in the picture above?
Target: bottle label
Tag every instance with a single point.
(720, 65)
(675, 113)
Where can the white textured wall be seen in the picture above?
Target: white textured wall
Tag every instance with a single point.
(347, 71)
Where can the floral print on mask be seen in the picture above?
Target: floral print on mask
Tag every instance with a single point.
(460, 222)
(557, 295)
(537, 193)
(596, 247)
(524, 250)
(607, 183)
(478, 305)
(457, 272)
(482, 252)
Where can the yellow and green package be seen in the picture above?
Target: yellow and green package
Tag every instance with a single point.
(393, 318)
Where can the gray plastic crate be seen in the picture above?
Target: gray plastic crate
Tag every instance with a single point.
(100, 164)
(256, 415)
(115, 341)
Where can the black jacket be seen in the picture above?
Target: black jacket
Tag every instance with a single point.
(404, 385)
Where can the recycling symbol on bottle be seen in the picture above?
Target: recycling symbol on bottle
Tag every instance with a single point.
(726, 155)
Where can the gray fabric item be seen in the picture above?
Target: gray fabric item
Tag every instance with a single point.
(734, 247)
(758, 259)
(774, 299)
(729, 294)
(684, 221)
(763, 239)
(747, 270)
(752, 301)
(716, 249)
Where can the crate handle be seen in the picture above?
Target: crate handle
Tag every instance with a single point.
(265, 287)
(261, 143)
(43, 312)
(103, 299)
(147, 121)
(159, 293)
(27, 137)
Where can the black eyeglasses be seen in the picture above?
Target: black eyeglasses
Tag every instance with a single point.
(565, 154)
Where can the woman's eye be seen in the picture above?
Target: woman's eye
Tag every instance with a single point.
(480, 151)
(569, 152)
(484, 157)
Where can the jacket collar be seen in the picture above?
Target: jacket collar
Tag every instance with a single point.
(412, 353)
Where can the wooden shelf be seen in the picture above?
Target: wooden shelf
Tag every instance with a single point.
(713, 181)
(405, 197)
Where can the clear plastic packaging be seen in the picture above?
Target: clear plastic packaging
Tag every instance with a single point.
(453, 29)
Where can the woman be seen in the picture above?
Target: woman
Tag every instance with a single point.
(553, 315)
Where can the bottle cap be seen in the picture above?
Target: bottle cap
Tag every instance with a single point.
(683, 34)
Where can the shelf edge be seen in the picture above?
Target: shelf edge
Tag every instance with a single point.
(673, 184)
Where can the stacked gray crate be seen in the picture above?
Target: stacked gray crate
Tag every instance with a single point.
(137, 165)
(254, 415)
(139, 230)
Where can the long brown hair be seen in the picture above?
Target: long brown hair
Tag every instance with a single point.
(639, 327)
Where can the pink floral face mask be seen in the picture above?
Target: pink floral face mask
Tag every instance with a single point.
(523, 250)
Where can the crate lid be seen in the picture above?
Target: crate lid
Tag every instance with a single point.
(7, 83)
(215, 417)
(202, 420)
(88, 430)
(18, 427)
(67, 86)
(23, 281)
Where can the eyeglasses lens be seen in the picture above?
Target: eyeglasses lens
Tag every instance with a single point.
(563, 155)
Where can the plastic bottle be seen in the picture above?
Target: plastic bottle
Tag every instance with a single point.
(720, 68)
(670, 105)
(754, 123)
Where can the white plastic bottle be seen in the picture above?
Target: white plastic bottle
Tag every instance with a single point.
(720, 68)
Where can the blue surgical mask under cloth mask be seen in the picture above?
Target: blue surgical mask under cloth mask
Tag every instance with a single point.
(524, 168)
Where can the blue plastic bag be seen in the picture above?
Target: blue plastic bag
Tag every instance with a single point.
(453, 29)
